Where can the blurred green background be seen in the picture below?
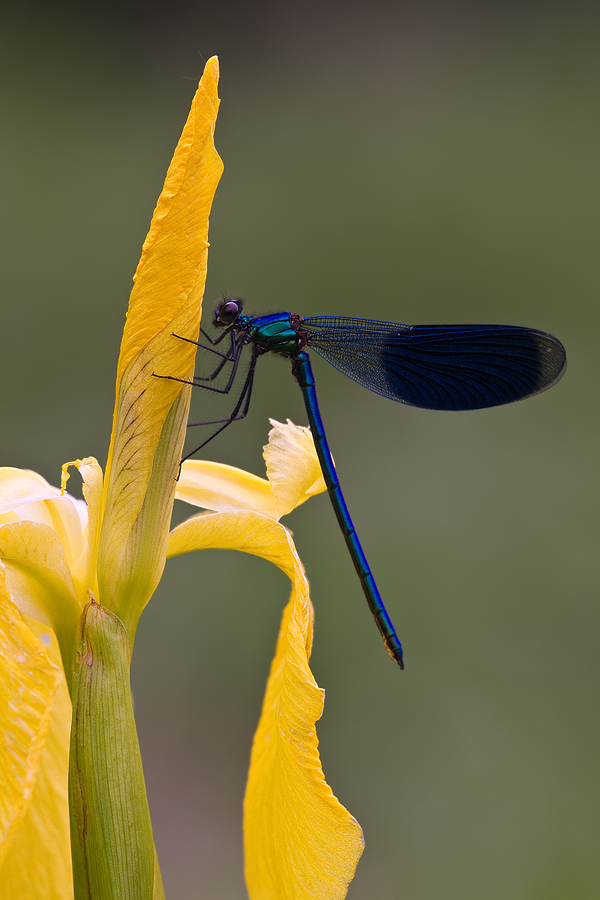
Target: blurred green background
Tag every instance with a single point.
(416, 162)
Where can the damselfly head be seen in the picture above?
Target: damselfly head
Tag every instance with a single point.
(227, 310)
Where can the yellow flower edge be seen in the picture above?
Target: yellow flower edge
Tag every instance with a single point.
(300, 842)
(151, 412)
(38, 862)
(28, 685)
(293, 476)
(174, 255)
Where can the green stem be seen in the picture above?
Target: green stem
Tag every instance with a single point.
(111, 833)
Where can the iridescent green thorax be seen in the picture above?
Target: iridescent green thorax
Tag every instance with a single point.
(278, 333)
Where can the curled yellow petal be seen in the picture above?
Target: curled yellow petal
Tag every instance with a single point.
(293, 471)
(151, 412)
(28, 682)
(84, 567)
(293, 468)
(223, 488)
(300, 842)
(249, 532)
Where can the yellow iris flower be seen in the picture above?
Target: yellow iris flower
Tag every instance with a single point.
(56, 551)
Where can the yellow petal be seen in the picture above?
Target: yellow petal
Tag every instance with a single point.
(28, 682)
(247, 531)
(39, 580)
(127, 582)
(150, 413)
(293, 468)
(38, 863)
(300, 841)
(174, 254)
(18, 486)
(83, 568)
(26, 495)
(224, 488)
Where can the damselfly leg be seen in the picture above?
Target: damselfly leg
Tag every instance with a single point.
(233, 355)
(241, 408)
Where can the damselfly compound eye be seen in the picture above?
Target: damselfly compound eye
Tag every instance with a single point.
(228, 312)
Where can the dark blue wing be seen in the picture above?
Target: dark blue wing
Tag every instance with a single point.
(449, 367)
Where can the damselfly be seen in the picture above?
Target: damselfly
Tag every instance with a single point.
(448, 367)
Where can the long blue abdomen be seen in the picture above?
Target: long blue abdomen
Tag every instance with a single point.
(303, 372)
